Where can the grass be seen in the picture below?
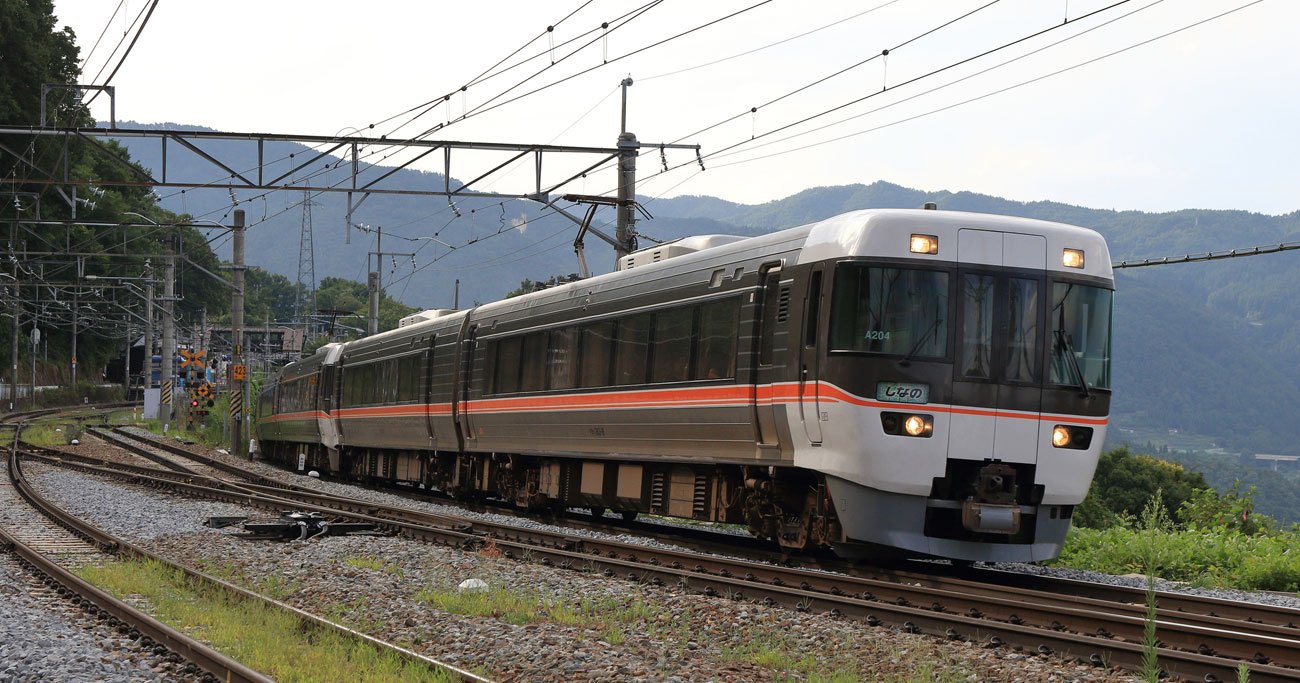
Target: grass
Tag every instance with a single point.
(272, 642)
(1218, 558)
(374, 564)
(46, 434)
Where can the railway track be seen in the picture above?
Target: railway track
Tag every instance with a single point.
(49, 539)
(1201, 638)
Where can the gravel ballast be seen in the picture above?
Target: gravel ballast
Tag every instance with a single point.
(559, 626)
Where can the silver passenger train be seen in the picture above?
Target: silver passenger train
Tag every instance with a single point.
(883, 383)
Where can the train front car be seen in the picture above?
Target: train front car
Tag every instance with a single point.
(961, 386)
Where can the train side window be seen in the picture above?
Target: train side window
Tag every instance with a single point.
(370, 383)
(716, 346)
(813, 310)
(1023, 330)
(673, 330)
(632, 351)
(597, 354)
(505, 375)
(977, 325)
(562, 358)
(533, 362)
(408, 379)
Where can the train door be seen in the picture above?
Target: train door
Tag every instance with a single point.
(809, 356)
(461, 405)
(765, 373)
(996, 384)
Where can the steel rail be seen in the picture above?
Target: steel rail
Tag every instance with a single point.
(201, 655)
(1195, 609)
(120, 546)
(718, 576)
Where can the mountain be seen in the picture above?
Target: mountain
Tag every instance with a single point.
(1207, 348)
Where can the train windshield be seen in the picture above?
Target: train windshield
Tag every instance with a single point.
(1081, 317)
(896, 311)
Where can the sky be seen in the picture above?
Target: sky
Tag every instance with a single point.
(1204, 118)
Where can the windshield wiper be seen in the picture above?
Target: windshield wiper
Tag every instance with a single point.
(1063, 343)
(917, 346)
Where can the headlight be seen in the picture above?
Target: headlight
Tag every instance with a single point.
(902, 424)
(1070, 436)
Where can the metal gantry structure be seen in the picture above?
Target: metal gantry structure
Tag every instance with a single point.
(336, 164)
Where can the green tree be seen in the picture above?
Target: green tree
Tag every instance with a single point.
(1124, 483)
(268, 296)
(33, 52)
(348, 295)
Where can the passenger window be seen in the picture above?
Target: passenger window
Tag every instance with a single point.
(505, 373)
(977, 325)
(1022, 331)
(813, 310)
(562, 358)
(597, 354)
(672, 346)
(533, 362)
(716, 349)
(632, 354)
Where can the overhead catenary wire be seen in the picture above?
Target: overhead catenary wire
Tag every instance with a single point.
(995, 92)
(484, 108)
(140, 31)
(1208, 256)
(85, 61)
(981, 72)
(783, 41)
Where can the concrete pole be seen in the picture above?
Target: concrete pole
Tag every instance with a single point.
(239, 442)
(147, 370)
(75, 322)
(18, 309)
(126, 365)
(625, 217)
(372, 316)
(168, 334)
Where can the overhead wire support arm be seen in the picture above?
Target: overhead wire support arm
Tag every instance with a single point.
(234, 177)
(594, 202)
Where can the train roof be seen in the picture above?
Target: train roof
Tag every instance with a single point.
(868, 232)
(962, 237)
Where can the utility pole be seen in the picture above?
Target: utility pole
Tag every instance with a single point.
(18, 309)
(238, 371)
(75, 321)
(147, 362)
(625, 224)
(167, 399)
(372, 313)
(375, 280)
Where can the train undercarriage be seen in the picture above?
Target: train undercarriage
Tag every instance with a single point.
(787, 505)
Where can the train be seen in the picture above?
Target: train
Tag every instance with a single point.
(884, 383)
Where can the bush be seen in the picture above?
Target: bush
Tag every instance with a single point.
(82, 393)
(1220, 558)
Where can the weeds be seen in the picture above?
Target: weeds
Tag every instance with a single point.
(266, 639)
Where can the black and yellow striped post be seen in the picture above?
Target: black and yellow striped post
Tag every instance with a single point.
(166, 398)
(236, 404)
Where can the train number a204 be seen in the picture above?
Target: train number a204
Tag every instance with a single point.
(899, 392)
